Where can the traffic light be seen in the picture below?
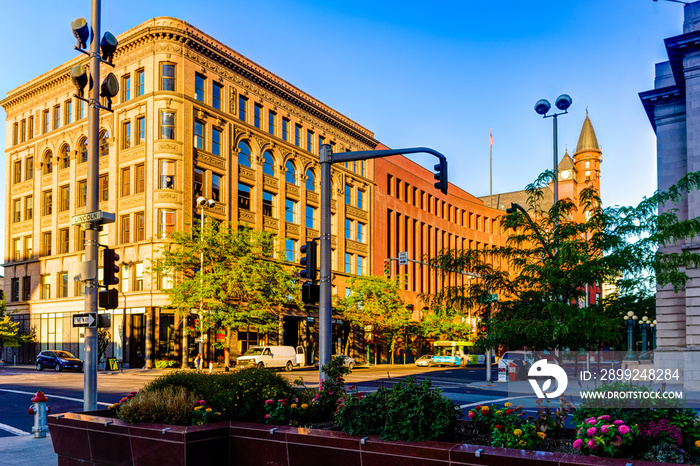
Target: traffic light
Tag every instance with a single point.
(111, 269)
(310, 293)
(387, 267)
(108, 299)
(309, 260)
(441, 175)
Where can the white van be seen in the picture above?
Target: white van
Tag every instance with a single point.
(273, 356)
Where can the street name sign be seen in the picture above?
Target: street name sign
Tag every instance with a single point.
(97, 216)
(89, 319)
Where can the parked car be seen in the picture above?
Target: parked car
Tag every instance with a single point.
(347, 360)
(58, 361)
(286, 357)
(425, 360)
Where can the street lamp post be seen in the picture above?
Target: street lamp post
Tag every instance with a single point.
(542, 106)
(202, 202)
(645, 325)
(653, 334)
(630, 320)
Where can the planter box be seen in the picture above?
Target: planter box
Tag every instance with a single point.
(94, 438)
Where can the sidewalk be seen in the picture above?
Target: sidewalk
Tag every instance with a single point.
(25, 450)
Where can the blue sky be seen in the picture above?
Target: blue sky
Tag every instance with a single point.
(435, 74)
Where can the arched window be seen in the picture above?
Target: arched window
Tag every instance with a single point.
(268, 164)
(48, 163)
(104, 144)
(244, 154)
(65, 156)
(290, 175)
(83, 150)
(310, 180)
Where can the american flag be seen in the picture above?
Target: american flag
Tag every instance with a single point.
(491, 138)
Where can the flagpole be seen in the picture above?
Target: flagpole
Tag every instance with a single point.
(491, 166)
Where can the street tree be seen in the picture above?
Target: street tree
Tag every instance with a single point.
(242, 282)
(549, 259)
(446, 324)
(376, 301)
(10, 336)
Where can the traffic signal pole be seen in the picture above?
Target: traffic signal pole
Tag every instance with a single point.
(326, 159)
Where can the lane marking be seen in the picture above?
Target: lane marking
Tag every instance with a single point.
(13, 430)
(494, 401)
(19, 392)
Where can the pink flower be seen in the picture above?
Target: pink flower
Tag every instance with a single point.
(623, 430)
(592, 444)
(618, 422)
(267, 402)
(617, 441)
(591, 432)
(577, 443)
(604, 429)
(267, 416)
(591, 421)
(471, 415)
(200, 403)
(604, 417)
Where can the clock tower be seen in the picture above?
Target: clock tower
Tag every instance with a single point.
(586, 164)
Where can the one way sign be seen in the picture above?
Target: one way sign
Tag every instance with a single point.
(85, 320)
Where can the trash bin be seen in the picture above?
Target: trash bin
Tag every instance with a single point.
(512, 372)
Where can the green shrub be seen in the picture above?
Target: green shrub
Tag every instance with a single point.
(238, 396)
(164, 363)
(667, 453)
(167, 405)
(523, 437)
(407, 411)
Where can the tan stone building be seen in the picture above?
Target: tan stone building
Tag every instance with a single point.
(193, 118)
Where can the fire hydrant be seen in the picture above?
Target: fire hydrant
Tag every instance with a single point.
(40, 411)
(211, 366)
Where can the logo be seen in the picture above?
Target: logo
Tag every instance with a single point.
(542, 369)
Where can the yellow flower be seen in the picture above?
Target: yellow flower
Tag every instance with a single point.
(697, 443)
(304, 406)
(499, 412)
(508, 405)
(208, 410)
(542, 435)
(484, 409)
(197, 408)
(521, 443)
(517, 432)
(294, 406)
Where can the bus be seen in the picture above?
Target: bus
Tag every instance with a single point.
(456, 353)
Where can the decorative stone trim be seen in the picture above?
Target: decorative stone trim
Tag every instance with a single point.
(271, 182)
(246, 216)
(245, 173)
(352, 211)
(355, 246)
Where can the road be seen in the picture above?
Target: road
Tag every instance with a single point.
(65, 389)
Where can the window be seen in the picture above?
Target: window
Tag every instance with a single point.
(290, 173)
(268, 203)
(62, 284)
(321, 140)
(126, 88)
(310, 217)
(360, 265)
(348, 229)
(82, 193)
(15, 134)
(83, 149)
(348, 262)
(65, 156)
(29, 168)
(268, 164)
(104, 144)
(140, 130)
(216, 141)
(200, 84)
(290, 211)
(46, 287)
(125, 228)
(198, 134)
(17, 249)
(244, 154)
(46, 243)
(17, 210)
(310, 181)
(309, 141)
(28, 207)
(257, 115)
(14, 293)
(198, 182)
(126, 135)
(360, 199)
(271, 122)
(30, 128)
(138, 90)
(48, 163)
(361, 232)
(166, 224)
(26, 288)
(216, 187)
(167, 174)
(81, 110)
(28, 247)
(285, 129)
(167, 77)
(348, 194)
(216, 91)
(45, 121)
(290, 250)
(47, 203)
(79, 238)
(124, 279)
(17, 171)
(23, 131)
(167, 125)
(139, 178)
(243, 196)
(68, 106)
(64, 198)
(242, 107)
(57, 117)
(297, 135)
(104, 188)
(138, 276)
(140, 220)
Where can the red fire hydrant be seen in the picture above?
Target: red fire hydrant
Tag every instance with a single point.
(40, 411)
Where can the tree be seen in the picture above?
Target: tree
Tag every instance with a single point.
(553, 258)
(10, 336)
(376, 301)
(446, 324)
(240, 284)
